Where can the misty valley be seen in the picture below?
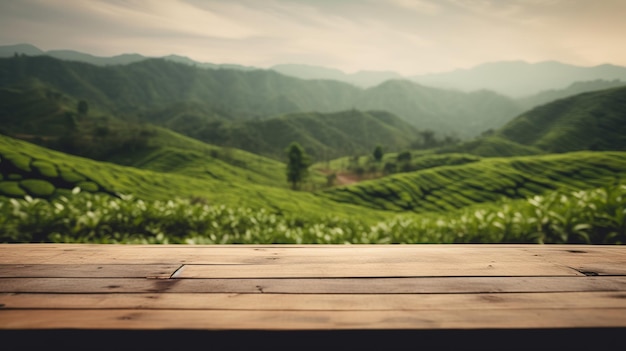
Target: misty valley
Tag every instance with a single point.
(167, 150)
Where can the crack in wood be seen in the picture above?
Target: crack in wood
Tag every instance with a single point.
(177, 272)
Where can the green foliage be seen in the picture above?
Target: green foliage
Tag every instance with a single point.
(17, 162)
(298, 163)
(82, 108)
(404, 156)
(11, 189)
(378, 153)
(46, 169)
(37, 187)
(88, 186)
(70, 176)
(595, 216)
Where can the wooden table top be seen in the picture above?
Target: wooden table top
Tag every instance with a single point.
(378, 296)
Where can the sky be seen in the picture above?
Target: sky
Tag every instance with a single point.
(406, 36)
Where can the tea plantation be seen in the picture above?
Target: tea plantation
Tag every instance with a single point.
(51, 196)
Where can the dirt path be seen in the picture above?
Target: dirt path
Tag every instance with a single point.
(346, 179)
(342, 178)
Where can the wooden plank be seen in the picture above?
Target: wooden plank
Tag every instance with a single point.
(591, 260)
(358, 269)
(312, 302)
(443, 259)
(87, 271)
(316, 285)
(450, 255)
(311, 320)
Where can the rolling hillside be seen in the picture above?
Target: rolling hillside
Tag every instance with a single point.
(152, 90)
(589, 121)
(27, 169)
(448, 188)
(48, 118)
(323, 135)
(462, 203)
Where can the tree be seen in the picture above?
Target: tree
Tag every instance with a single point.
(428, 138)
(82, 108)
(298, 163)
(390, 168)
(404, 156)
(378, 153)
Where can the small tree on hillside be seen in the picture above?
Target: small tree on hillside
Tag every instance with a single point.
(378, 153)
(298, 163)
(404, 156)
(82, 108)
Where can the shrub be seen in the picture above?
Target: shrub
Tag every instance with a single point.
(37, 187)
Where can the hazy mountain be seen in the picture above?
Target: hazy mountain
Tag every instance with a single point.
(19, 49)
(363, 79)
(520, 79)
(124, 59)
(441, 110)
(588, 121)
(151, 87)
(324, 135)
(574, 89)
(70, 55)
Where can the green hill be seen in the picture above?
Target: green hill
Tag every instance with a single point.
(323, 135)
(451, 187)
(170, 94)
(49, 118)
(491, 146)
(28, 169)
(589, 121)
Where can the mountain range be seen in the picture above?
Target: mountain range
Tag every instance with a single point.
(158, 90)
(259, 110)
(516, 79)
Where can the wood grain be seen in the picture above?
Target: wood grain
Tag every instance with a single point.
(311, 320)
(87, 271)
(311, 287)
(325, 302)
(426, 285)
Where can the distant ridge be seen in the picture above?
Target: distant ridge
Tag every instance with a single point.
(123, 59)
(574, 89)
(520, 79)
(364, 79)
(515, 79)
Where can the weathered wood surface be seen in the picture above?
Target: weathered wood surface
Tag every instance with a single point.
(282, 288)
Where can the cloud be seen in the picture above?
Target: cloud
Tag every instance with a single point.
(420, 6)
(411, 36)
